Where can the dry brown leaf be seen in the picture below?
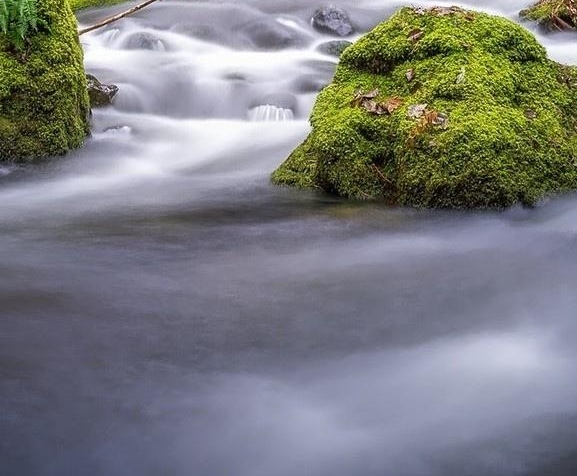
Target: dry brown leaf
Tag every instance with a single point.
(373, 107)
(416, 111)
(393, 103)
(361, 96)
(415, 35)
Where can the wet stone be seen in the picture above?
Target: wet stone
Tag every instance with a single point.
(333, 20)
(309, 83)
(334, 48)
(100, 94)
(144, 41)
(269, 34)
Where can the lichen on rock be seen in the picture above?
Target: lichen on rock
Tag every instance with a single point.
(43, 98)
(553, 14)
(443, 108)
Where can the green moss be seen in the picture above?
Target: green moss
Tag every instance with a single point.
(80, 4)
(43, 99)
(499, 126)
(553, 14)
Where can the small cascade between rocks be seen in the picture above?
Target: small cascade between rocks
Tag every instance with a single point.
(268, 112)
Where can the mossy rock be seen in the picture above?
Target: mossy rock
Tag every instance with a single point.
(43, 98)
(82, 4)
(442, 108)
(553, 14)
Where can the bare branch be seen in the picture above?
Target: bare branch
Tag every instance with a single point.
(118, 16)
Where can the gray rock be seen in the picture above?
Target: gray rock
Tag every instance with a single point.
(202, 32)
(333, 20)
(269, 34)
(320, 66)
(100, 94)
(334, 48)
(144, 41)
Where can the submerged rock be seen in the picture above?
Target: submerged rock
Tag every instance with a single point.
(270, 34)
(334, 48)
(144, 41)
(43, 99)
(553, 14)
(446, 108)
(332, 20)
(100, 94)
(309, 83)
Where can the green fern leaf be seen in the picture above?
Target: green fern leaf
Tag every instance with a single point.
(18, 21)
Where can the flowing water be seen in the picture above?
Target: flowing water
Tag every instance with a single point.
(166, 311)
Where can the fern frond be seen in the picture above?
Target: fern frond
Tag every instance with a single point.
(18, 20)
(4, 16)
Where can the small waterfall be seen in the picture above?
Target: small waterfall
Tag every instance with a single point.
(270, 113)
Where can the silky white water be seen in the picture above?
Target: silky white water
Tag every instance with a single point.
(165, 310)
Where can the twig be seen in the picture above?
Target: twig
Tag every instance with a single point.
(381, 175)
(112, 19)
(562, 24)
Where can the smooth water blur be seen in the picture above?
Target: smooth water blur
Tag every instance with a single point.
(165, 310)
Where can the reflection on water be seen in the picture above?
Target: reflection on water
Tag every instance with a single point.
(164, 310)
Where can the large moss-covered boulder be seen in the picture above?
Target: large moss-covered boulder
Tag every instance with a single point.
(43, 98)
(442, 107)
(553, 14)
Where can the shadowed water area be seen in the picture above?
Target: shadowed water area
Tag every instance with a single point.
(164, 310)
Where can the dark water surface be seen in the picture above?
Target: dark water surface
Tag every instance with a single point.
(166, 311)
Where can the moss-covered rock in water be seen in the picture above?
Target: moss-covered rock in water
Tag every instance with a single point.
(442, 107)
(80, 4)
(43, 98)
(553, 14)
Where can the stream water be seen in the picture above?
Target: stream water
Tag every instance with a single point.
(164, 310)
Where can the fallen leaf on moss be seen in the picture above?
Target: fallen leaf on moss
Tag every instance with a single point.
(367, 101)
(361, 96)
(415, 35)
(416, 111)
(392, 104)
(435, 118)
(445, 11)
(373, 107)
(381, 108)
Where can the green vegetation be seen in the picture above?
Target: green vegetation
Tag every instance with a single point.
(18, 19)
(553, 14)
(80, 4)
(43, 99)
(445, 108)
